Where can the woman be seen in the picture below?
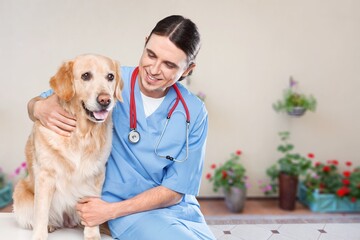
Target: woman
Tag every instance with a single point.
(152, 175)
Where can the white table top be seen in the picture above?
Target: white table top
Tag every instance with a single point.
(9, 229)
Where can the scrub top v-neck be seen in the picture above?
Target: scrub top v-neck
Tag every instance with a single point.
(134, 168)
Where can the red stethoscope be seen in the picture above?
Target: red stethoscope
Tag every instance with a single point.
(134, 135)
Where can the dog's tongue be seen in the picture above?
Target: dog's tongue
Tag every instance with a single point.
(101, 115)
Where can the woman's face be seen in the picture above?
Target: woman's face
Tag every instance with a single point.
(161, 65)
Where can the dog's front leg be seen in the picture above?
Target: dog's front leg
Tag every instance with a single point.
(44, 191)
(93, 233)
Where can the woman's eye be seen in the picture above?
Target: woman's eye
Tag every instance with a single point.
(150, 55)
(170, 66)
(110, 77)
(86, 76)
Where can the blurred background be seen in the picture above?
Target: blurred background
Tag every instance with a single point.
(250, 48)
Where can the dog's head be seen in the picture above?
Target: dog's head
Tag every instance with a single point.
(92, 81)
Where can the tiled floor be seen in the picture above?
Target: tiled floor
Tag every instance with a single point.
(315, 231)
(263, 220)
(300, 224)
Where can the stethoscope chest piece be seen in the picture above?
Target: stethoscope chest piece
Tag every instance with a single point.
(134, 136)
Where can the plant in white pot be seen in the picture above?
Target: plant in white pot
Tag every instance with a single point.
(231, 179)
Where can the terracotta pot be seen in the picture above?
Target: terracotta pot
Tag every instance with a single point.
(287, 191)
(235, 199)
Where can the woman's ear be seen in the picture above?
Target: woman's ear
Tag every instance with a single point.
(63, 82)
(189, 70)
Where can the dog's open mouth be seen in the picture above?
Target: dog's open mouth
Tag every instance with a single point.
(98, 116)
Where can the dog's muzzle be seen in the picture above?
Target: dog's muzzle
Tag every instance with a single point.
(97, 116)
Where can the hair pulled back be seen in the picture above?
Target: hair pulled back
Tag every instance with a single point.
(182, 32)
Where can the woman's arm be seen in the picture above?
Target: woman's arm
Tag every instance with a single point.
(94, 211)
(51, 115)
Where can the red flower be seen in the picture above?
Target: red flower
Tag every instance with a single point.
(342, 191)
(238, 152)
(311, 155)
(348, 163)
(213, 166)
(333, 162)
(347, 173)
(353, 199)
(317, 164)
(224, 174)
(322, 186)
(346, 181)
(326, 169)
(208, 176)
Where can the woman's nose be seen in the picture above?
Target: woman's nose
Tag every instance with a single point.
(155, 68)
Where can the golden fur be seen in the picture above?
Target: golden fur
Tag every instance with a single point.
(64, 169)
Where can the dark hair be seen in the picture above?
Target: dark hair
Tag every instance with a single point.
(182, 32)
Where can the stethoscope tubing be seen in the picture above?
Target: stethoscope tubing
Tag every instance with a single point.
(134, 135)
(186, 143)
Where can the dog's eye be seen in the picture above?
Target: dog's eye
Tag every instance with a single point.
(86, 76)
(110, 77)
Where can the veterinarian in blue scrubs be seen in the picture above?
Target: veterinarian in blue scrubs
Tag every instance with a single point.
(153, 173)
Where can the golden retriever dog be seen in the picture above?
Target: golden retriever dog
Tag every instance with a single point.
(61, 169)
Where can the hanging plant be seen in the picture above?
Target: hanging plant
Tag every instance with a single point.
(295, 103)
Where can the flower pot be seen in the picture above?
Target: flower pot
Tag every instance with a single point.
(327, 202)
(287, 191)
(5, 195)
(235, 199)
(297, 111)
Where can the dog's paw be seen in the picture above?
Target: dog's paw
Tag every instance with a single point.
(51, 229)
(39, 236)
(92, 233)
(93, 238)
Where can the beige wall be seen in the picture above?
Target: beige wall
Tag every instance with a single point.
(250, 48)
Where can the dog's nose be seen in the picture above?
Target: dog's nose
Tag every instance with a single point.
(104, 100)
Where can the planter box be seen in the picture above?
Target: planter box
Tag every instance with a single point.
(5, 195)
(327, 202)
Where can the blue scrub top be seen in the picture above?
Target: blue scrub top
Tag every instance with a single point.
(135, 168)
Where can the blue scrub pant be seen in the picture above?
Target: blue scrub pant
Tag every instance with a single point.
(161, 227)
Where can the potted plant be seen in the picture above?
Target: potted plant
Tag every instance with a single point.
(5, 190)
(6, 185)
(231, 179)
(201, 96)
(284, 174)
(295, 103)
(327, 189)
(2, 178)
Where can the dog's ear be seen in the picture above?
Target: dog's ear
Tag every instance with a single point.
(119, 82)
(63, 82)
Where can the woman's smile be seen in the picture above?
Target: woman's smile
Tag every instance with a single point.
(151, 79)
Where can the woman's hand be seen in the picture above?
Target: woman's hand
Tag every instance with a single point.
(51, 115)
(93, 211)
